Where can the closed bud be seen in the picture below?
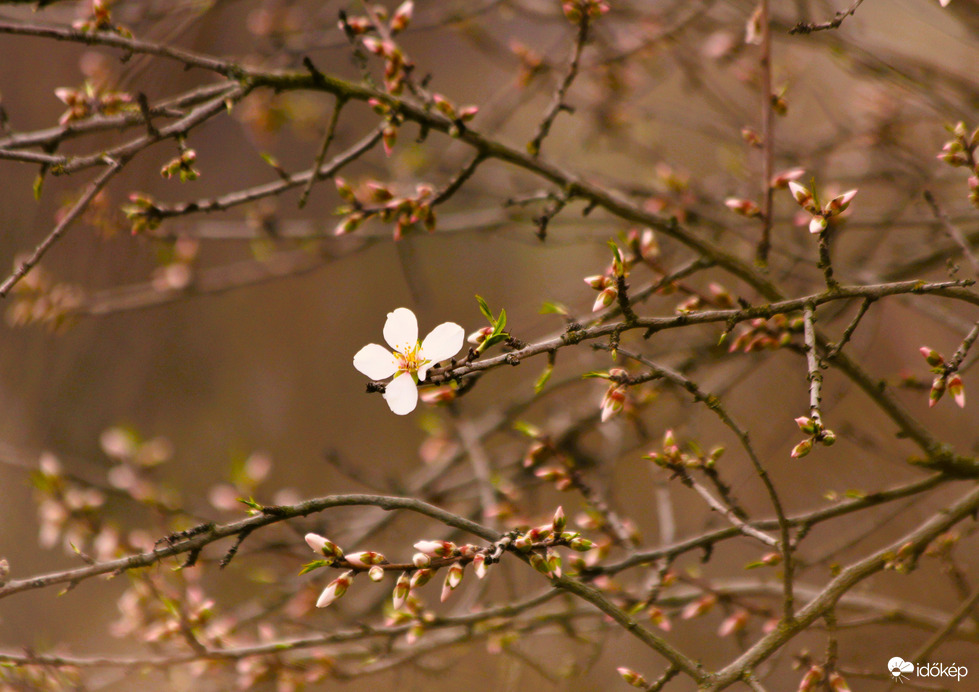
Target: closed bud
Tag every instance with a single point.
(743, 207)
(452, 579)
(401, 589)
(735, 622)
(632, 677)
(436, 548)
(802, 449)
(957, 390)
(553, 564)
(479, 566)
(523, 542)
(839, 204)
(702, 605)
(811, 679)
(559, 521)
(781, 181)
(828, 438)
(402, 16)
(837, 683)
(580, 544)
(806, 425)
(658, 618)
(937, 390)
(612, 402)
(605, 298)
(420, 578)
(818, 224)
(421, 560)
(335, 590)
(540, 563)
(324, 546)
(376, 573)
(932, 357)
(802, 195)
(597, 281)
(365, 558)
(479, 336)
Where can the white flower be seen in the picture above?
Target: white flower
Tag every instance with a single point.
(409, 357)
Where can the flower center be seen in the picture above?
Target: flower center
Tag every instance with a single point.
(408, 358)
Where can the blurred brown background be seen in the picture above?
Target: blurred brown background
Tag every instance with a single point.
(268, 368)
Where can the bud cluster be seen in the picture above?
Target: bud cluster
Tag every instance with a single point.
(672, 457)
(642, 247)
(960, 152)
(760, 334)
(90, 100)
(821, 216)
(576, 10)
(946, 378)
(817, 434)
(182, 167)
(375, 199)
(38, 299)
(100, 20)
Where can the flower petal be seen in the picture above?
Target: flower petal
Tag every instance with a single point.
(442, 343)
(401, 394)
(376, 362)
(401, 330)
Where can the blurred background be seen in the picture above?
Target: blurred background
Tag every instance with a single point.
(242, 384)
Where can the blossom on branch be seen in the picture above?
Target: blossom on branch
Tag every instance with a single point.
(410, 360)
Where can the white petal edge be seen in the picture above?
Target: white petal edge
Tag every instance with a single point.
(442, 343)
(401, 394)
(376, 362)
(401, 330)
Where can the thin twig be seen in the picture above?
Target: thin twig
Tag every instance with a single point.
(809, 27)
(834, 349)
(952, 231)
(768, 135)
(815, 372)
(331, 130)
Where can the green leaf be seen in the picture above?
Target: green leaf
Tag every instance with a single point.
(549, 308)
(615, 250)
(250, 502)
(315, 564)
(484, 308)
(542, 380)
(528, 429)
(38, 186)
(501, 322)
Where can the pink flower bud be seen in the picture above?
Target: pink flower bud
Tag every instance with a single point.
(812, 678)
(479, 565)
(612, 402)
(782, 180)
(365, 558)
(421, 560)
(802, 449)
(733, 623)
(452, 579)
(605, 298)
(837, 683)
(632, 677)
(420, 578)
(957, 390)
(335, 590)
(324, 546)
(376, 573)
(479, 336)
(744, 207)
(839, 204)
(818, 224)
(937, 390)
(702, 605)
(598, 281)
(658, 618)
(401, 589)
(802, 196)
(559, 521)
(402, 16)
(933, 357)
(580, 544)
(436, 548)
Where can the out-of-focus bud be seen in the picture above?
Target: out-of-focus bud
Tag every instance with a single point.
(658, 618)
(580, 544)
(735, 622)
(933, 357)
(613, 401)
(702, 605)
(751, 137)
(811, 679)
(335, 590)
(840, 203)
(632, 677)
(802, 449)
(837, 683)
(781, 180)
(402, 16)
(827, 437)
(744, 207)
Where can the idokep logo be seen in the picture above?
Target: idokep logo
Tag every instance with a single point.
(901, 670)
